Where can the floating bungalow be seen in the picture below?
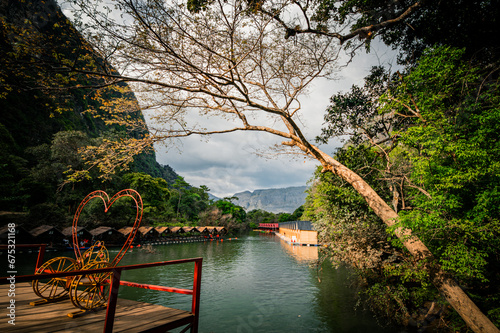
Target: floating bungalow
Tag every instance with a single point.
(176, 230)
(148, 233)
(209, 230)
(162, 231)
(110, 236)
(203, 230)
(22, 236)
(221, 230)
(47, 234)
(216, 230)
(81, 232)
(298, 233)
(125, 231)
(190, 229)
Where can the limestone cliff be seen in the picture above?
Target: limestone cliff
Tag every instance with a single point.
(276, 200)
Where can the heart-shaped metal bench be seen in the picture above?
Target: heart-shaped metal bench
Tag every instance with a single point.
(86, 291)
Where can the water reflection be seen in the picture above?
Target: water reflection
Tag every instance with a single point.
(254, 284)
(303, 254)
(334, 293)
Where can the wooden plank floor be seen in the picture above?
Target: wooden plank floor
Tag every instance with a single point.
(131, 316)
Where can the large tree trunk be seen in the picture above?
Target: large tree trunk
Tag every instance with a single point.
(457, 298)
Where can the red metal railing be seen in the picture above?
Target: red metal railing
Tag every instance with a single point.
(116, 282)
(269, 225)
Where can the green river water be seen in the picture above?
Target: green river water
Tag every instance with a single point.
(256, 283)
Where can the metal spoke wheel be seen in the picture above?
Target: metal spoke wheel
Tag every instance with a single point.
(55, 288)
(91, 291)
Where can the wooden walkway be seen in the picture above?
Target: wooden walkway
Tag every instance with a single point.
(131, 316)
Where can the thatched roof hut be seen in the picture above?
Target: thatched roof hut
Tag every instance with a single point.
(81, 232)
(189, 229)
(210, 230)
(47, 234)
(220, 230)
(176, 230)
(148, 233)
(203, 230)
(125, 231)
(21, 235)
(162, 231)
(110, 236)
(215, 230)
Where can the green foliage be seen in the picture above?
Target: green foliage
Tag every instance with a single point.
(154, 192)
(348, 112)
(50, 214)
(44, 126)
(458, 23)
(455, 157)
(284, 217)
(352, 234)
(188, 201)
(227, 207)
(122, 214)
(427, 142)
(257, 216)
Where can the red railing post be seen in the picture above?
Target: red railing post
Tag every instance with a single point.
(195, 309)
(112, 300)
(41, 254)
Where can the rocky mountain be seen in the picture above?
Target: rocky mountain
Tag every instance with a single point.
(275, 200)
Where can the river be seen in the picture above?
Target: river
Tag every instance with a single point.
(256, 283)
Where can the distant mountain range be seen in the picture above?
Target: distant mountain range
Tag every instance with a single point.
(275, 200)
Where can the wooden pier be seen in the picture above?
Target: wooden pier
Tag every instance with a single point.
(119, 315)
(131, 316)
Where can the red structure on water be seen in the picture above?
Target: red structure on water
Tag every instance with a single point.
(269, 226)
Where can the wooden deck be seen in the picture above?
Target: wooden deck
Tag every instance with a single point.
(131, 316)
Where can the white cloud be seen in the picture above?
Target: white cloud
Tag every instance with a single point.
(228, 163)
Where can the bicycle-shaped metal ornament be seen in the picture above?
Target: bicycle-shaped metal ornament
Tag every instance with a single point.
(86, 291)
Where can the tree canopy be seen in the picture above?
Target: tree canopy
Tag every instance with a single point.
(248, 63)
(236, 60)
(426, 140)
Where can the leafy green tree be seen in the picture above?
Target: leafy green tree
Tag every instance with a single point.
(248, 70)
(284, 217)
(154, 193)
(429, 146)
(228, 207)
(49, 162)
(257, 216)
(181, 187)
(188, 201)
(295, 216)
(12, 169)
(297, 213)
(453, 148)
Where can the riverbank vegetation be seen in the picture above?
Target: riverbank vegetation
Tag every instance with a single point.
(411, 200)
(426, 140)
(53, 124)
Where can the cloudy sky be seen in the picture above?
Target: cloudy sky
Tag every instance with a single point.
(232, 163)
